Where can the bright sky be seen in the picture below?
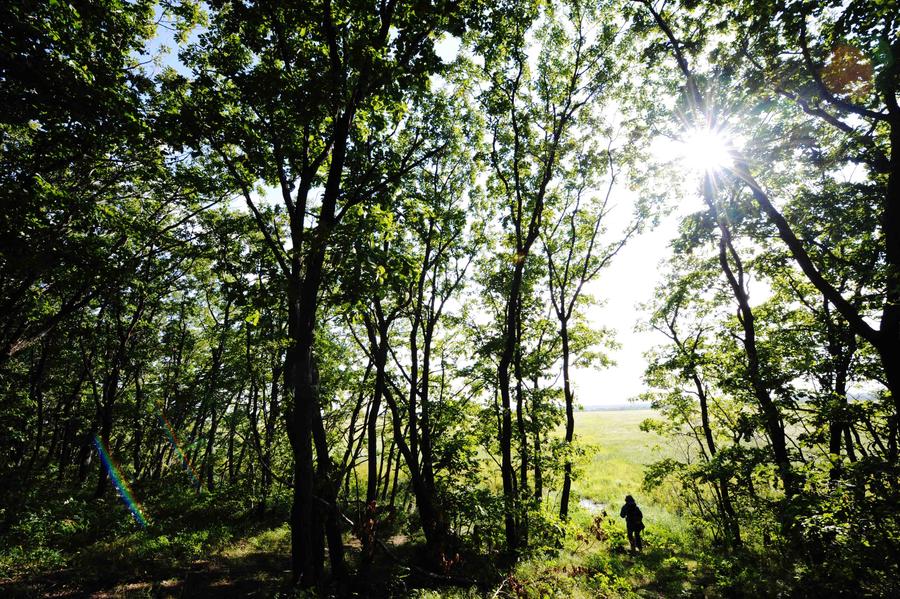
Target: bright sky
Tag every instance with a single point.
(631, 279)
(634, 274)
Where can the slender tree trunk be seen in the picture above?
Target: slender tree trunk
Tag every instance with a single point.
(84, 452)
(569, 395)
(510, 493)
(327, 489)
(425, 444)
(522, 430)
(771, 416)
(536, 432)
(269, 438)
(138, 424)
(105, 417)
(209, 461)
(232, 425)
(393, 496)
(524, 446)
(67, 425)
(36, 392)
(434, 522)
(386, 476)
(377, 332)
(732, 526)
(889, 333)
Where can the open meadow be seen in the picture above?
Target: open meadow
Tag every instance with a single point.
(595, 562)
(619, 451)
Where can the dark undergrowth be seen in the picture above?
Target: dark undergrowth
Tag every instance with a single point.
(219, 544)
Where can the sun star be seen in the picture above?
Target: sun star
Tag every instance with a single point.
(706, 149)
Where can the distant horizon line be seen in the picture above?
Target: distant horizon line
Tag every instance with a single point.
(632, 405)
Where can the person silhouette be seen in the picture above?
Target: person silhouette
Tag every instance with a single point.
(634, 522)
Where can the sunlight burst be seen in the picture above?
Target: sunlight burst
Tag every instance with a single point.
(706, 150)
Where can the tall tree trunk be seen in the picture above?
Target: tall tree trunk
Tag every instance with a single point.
(434, 523)
(211, 399)
(510, 493)
(536, 431)
(105, 418)
(209, 461)
(138, 424)
(841, 349)
(377, 332)
(67, 425)
(232, 429)
(327, 489)
(732, 526)
(269, 437)
(306, 535)
(305, 279)
(36, 391)
(770, 413)
(569, 395)
(889, 349)
(523, 432)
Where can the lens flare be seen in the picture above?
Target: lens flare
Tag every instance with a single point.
(119, 482)
(706, 149)
(173, 439)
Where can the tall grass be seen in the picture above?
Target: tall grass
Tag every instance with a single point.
(619, 452)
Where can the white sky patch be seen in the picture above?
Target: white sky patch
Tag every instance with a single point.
(630, 280)
(447, 48)
(634, 274)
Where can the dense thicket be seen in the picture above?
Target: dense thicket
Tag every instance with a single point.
(342, 252)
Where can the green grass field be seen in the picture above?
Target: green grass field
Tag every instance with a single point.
(594, 561)
(620, 451)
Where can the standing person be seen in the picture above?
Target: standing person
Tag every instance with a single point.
(634, 522)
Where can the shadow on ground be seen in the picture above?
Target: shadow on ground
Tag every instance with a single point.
(251, 574)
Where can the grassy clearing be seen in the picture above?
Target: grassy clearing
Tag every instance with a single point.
(594, 561)
(620, 451)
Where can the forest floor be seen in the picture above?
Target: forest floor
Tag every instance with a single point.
(196, 548)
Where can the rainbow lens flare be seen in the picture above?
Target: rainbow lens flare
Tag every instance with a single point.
(118, 481)
(173, 439)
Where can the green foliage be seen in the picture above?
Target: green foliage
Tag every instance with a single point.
(306, 247)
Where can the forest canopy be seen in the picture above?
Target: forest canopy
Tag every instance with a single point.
(334, 268)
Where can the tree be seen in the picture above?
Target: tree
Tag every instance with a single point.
(681, 374)
(302, 97)
(576, 254)
(532, 118)
(79, 149)
(860, 89)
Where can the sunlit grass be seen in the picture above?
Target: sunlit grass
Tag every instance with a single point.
(620, 452)
(217, 538)
(272, 541)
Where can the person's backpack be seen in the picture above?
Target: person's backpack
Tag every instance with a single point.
(639, 517)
